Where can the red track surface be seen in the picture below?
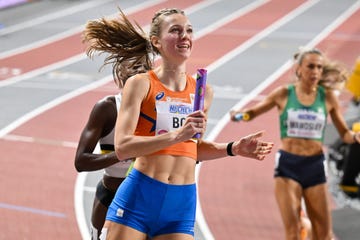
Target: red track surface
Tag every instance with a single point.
(236, 194)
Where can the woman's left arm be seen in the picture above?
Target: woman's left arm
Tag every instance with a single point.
(249, 146)
(333, 106)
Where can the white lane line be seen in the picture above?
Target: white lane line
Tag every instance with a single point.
(223, 21)
(83, 56)
(40, 43)
(32, 210)
(42, 70)
(27, 139)
(79, 192)
(90, 189)
(52, 16)
(65, 34)
(282, 21)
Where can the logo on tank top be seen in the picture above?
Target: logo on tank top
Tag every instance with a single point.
(180, 109)
(160, 95)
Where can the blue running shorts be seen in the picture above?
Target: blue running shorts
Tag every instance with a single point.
(154, 207)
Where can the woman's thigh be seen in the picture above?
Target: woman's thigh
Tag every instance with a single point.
(317, 205)
(288, 196)
(116, 231)
(174, 236)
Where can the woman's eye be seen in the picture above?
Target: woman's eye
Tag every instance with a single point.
(175, 30)
(313, 66)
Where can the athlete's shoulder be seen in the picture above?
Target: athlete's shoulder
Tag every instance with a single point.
(103, 114)
(280, 91)
(136, 87)
(106, 102)
(138, 79)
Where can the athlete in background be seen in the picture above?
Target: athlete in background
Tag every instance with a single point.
(99, 129)
(299, 172)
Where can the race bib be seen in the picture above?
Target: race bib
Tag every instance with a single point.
(305, 124)
(171, 115)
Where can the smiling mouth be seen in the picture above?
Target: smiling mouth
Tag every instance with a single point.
(183, 46)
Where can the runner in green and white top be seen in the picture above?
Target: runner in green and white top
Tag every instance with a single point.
(304, 121)
(299, 172)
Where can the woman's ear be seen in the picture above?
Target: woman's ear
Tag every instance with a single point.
(155, 42)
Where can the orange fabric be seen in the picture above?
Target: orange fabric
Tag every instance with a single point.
(177, 104)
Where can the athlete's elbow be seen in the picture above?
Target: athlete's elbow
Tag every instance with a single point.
(122, 151)
(119, 153)
(122, 148)
(79, 166)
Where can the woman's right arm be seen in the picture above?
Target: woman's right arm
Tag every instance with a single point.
(127, 145)
(275, 98)
(100, 123)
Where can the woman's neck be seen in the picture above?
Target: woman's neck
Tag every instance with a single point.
(307, 89)
(172, 78)
(173, 69)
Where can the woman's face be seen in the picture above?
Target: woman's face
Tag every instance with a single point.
(176, 37)
(310, 69)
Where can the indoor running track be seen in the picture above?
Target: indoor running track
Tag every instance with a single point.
(48, 88)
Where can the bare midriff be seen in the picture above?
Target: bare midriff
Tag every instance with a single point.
(301, 146)
(169, 169)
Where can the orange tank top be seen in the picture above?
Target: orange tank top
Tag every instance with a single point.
(164, 110)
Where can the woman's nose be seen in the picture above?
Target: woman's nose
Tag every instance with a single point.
(183, 34)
